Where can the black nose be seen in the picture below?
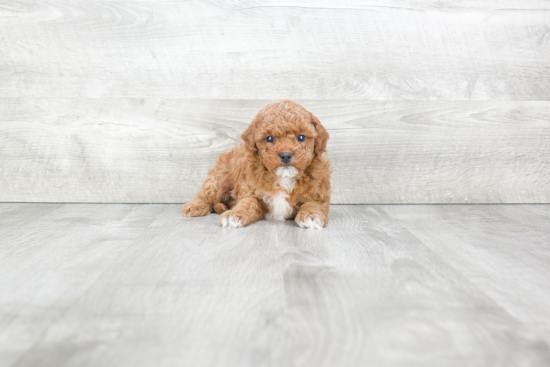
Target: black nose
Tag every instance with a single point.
(285, 157)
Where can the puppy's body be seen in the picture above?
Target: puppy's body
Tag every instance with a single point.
(280, 179)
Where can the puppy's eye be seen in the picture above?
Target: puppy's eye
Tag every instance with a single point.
(270, 139)
(301, 138)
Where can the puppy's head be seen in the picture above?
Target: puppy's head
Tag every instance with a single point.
(286, 137)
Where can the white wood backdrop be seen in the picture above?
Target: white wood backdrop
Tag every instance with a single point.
(131, 101)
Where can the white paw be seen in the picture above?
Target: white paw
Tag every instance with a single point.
(312, 222)
(231, 222)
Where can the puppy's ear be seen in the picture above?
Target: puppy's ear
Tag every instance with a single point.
(322, 136)
(248, 137)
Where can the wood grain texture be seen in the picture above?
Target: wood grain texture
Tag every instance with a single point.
(474, 242)
(17, 214)
(111, 285)
(48, 263)
(235, 49)
(136, 150)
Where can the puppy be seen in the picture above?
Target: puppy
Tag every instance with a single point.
(277, 172)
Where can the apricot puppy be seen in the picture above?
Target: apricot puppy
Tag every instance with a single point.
(277, 172)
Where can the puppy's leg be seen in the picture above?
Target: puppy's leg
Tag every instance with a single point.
(205, 200)
(214, 190)
(196, 208)
(313, 215)
(220, 208)
(246, 211)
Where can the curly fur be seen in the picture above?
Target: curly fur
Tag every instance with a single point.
(251, 182)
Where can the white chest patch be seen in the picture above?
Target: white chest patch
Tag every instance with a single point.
(279, 207)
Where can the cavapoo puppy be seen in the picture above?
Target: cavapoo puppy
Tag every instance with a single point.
(277, 172)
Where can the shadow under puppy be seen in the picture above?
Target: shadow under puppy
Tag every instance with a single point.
(276, 173)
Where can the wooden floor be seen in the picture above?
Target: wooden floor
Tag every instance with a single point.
(138, 285)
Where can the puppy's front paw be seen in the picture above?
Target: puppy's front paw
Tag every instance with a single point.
(196, 208)
(231, 219)
(305, 219)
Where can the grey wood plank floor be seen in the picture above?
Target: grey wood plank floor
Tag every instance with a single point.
(404, 285)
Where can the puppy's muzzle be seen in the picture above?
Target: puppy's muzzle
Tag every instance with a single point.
(286, 157)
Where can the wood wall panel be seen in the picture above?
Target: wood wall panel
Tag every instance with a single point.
(159, 150)
(368, 50)
(132, 101)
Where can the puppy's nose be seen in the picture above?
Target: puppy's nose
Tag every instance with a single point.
(285, 157)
